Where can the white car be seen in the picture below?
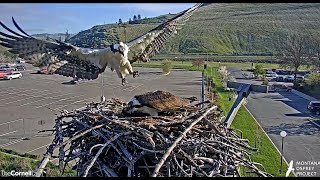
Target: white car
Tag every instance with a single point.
(271, 74)
(13, 75)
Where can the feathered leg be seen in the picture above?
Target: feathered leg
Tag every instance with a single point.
(129, 68)
(120, 75)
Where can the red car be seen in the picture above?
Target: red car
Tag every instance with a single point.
(43, 71)
(4, 73)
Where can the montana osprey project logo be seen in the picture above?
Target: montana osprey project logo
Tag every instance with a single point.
(290, 168)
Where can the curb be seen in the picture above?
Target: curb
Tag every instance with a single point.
(269, 139)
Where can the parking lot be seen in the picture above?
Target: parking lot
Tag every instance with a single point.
(31, 103)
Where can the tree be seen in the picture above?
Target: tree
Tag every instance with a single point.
(67, 37)
(134, 18)
(120, 21)
(258, 70)
(130, 21)
(314, 53)
(295, 52)
(139, 17)
(225, 75)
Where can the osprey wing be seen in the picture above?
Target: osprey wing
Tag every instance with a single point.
(147, 45)
(59, 57)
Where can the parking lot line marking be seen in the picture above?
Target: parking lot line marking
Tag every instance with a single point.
(11, 143)
(45, 98)
(58, 101)
(19, 92)
(38, 148)
(7, 133)
(32, 96)
(11, 121)
(10, 90)
(59, 108)
(18, 95)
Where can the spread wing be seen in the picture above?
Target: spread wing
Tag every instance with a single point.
(147, 45)
(59, 57)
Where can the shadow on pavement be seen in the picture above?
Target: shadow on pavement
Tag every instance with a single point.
(68, 83)
(152, 72)
(293, 101)
(306, 128)
(189, 83)
(297, 115)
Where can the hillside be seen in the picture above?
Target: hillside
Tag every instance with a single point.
(225, 29)
(54, 36)
(103, 35)
(238, 29)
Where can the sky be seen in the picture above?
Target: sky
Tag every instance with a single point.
(35, 18)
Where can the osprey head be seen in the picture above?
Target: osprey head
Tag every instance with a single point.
(123, 49)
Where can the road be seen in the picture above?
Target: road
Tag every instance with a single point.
(32, 103)
(285, 111)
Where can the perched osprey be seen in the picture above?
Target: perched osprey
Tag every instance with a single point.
(85, 63)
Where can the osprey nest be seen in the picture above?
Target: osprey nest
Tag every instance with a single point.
(101, 140)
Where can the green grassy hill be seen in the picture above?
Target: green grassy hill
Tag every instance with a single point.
(238, 29)
(224, 29)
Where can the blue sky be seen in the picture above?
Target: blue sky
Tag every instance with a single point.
(57, 17)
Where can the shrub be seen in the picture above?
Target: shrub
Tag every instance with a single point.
(166, 66)
(313, 81)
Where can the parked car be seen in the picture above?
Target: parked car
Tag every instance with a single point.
(271, 74)
(306, 76)
(9, 69)
(4, 66)
(301, 78)
(289, 78)
(20, 68)
(13, 75)
(314, 107)
(280, 78)
(4, 73)
(43, 71)
(11, 65)
(20, 61)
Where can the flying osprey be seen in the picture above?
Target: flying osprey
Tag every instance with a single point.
(85, 63)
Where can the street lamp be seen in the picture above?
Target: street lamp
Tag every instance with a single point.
(282, 134)
(202, 84)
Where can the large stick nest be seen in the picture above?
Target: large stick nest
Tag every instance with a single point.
(99, 140)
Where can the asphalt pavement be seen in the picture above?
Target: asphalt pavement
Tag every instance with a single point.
(31, 104)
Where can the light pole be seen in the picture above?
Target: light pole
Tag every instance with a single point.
(282, 134)
(202, 84)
